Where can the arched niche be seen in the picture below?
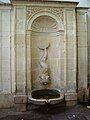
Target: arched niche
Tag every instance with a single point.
(45, 30)
(46, 13)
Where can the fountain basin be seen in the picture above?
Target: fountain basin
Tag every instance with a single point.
(45, 96)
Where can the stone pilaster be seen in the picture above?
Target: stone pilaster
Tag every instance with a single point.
(82, 52)
(28, 52)
(71, 57)
(71, 49)
(20, 58)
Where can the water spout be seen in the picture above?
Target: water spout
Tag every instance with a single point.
(45, 83)
(47, 101)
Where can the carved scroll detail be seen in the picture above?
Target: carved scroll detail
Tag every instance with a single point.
(58, 12)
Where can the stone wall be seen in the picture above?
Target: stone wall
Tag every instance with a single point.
(5, 68)
(6, 81)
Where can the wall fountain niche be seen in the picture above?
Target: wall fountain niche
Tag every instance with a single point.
(45, 44)
(45, 61)
(46, 24)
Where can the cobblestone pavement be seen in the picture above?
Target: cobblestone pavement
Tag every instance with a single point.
(77, 112)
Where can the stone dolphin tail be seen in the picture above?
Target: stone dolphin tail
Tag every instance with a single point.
(43, 72)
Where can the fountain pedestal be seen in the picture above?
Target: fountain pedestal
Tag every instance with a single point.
(20, 102)
(71, 99)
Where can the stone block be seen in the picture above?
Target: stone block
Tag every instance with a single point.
(71, 75)
(71, 99)
(71, 103)
(83, 94)
(20, 107)
(70, 96)
(6, 101)
(20, 102)
(20, 99)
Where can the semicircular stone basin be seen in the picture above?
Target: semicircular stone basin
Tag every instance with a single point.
(46, 96)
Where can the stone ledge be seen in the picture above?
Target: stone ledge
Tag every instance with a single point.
(19, 99)
(70, 96)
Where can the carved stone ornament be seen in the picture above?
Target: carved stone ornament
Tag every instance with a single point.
(58, 12)
(43, 71)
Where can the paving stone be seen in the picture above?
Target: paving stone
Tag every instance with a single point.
(49, 113)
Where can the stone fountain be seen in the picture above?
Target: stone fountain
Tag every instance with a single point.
(40, 68)
(46, 95)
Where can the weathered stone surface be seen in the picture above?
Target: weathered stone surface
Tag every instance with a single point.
(6, 100)
(20, 99)
(71, 99)
(70, 96)
(5, 77)
(20, 107)
(82, 51)
(71, 103)
(20, 102)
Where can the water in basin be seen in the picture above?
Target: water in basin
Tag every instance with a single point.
(45, 94)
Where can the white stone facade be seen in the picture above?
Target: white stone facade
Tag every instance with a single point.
(26, 25)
